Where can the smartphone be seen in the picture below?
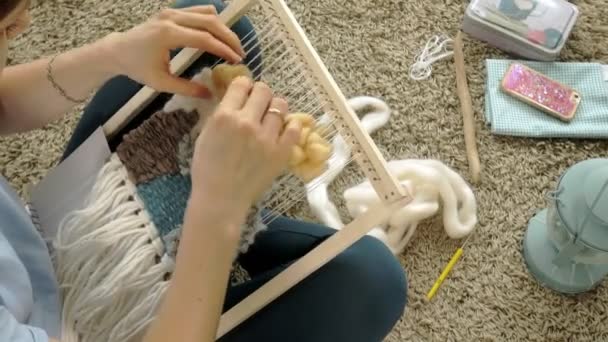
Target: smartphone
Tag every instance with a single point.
(541, 92)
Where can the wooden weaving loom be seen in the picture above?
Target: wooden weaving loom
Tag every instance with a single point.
(294, 71)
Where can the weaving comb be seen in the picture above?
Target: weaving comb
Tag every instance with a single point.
(294, 71)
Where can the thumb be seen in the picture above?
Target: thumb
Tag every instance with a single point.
(168, 83)
(291, 134)
(289, 138)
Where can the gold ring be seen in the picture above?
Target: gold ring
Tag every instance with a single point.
(275, 112)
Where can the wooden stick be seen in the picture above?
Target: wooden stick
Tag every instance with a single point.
(306, 265)
(230, 15)
(467, 109)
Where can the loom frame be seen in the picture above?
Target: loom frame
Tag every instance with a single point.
(392, 193)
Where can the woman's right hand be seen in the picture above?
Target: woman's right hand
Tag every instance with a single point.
(241, 149)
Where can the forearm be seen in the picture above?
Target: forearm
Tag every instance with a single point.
(193, 303)
(29, 100)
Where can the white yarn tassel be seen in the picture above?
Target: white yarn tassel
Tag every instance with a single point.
(435, 49)
(106, 263)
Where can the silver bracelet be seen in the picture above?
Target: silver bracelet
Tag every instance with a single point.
(49, 76)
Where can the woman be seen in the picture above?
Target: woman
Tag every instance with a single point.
(358, 296)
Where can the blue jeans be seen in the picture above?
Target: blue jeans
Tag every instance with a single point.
(357, 296)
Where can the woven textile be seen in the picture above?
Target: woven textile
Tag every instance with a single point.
(508, 116)
(157, 156)
(116, 255)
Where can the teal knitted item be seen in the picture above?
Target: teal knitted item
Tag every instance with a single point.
(506, 115)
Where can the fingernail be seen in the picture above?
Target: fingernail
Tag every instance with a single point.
(295, 124)
(204, 93)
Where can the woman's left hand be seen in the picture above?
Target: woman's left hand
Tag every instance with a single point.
(142, 53)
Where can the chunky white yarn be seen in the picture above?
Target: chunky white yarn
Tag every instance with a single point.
(432, 182)
(434, 185)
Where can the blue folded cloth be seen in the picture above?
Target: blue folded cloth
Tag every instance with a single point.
(506, 115)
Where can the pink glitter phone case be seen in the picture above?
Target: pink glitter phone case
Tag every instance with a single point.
(540, 91)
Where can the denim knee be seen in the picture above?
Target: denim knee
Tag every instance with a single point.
(377, 284)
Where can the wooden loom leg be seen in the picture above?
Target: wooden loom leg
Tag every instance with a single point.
(230, 15)
(306, 265)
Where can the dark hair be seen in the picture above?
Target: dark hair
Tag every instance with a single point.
(7, 6)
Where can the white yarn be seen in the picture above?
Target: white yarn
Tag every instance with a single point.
(435, 49)
(432, 182)
(106, 263)
(318, 199)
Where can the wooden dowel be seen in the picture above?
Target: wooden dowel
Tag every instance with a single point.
(467, 110)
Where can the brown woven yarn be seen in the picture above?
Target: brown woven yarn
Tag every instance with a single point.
(151, 150)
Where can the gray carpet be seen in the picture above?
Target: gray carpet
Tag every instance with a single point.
(368, 45)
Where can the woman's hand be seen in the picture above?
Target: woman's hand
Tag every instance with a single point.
(241, 149)
(142, 53)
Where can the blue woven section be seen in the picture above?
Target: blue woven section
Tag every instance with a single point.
(165, 199)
